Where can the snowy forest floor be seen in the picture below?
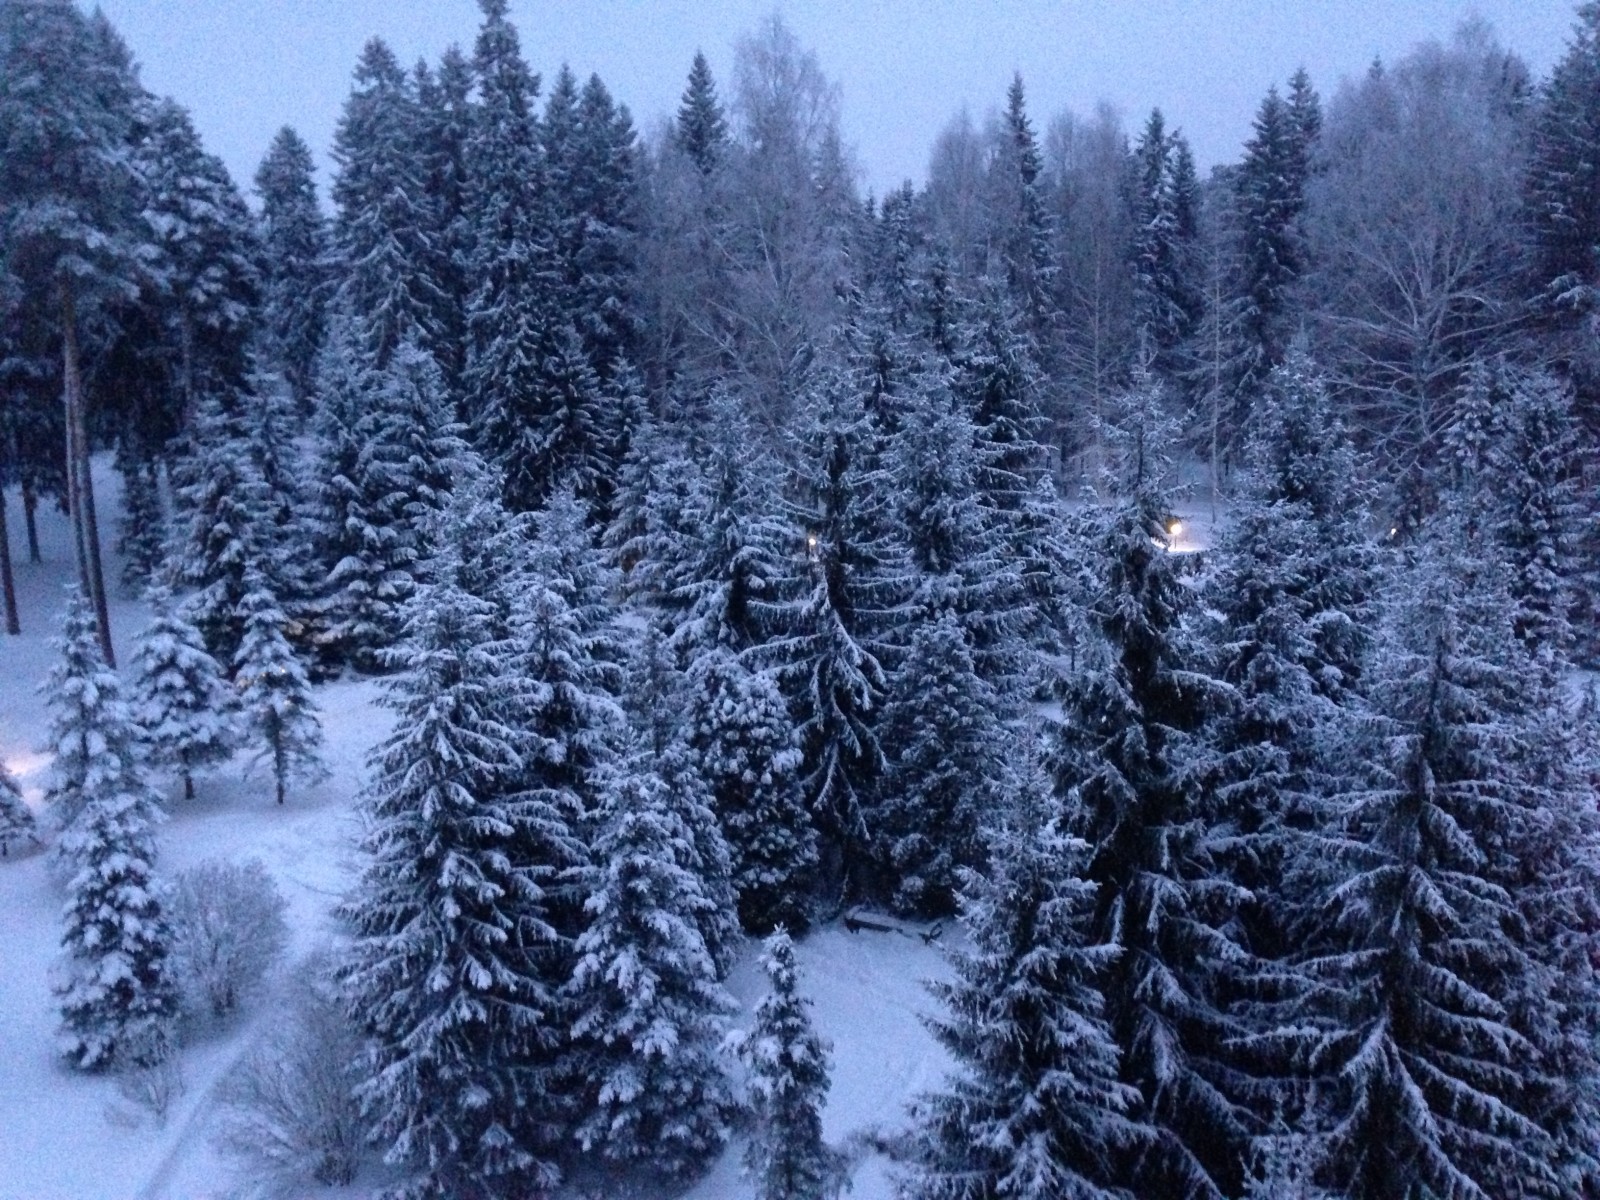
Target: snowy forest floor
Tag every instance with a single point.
(74, 1137)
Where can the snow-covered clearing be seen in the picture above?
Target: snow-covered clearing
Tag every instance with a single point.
(71, 1137)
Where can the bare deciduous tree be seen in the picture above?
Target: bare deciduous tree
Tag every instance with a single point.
(1414, 234)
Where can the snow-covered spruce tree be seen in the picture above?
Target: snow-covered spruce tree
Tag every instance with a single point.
(182, 704)
(570, 715)
(1294, 587)
(143, 533)
(293, 240)
(1166, 302)
(456, 970)
(1560, 205)
(658, 711)
(118, 998)
(997, 381)
(16, 818)
(201, 245)
(946, 767)
(849, 579)
(219, 525)
(1129, 760)
(537, 410)
(788, 1067)
(1036, 1108)
(744, 743)
(381, 238)
(650, 1013)
(1533, 464)
(1427, 966)
(730, 553)
(932, 463)
(385, 461)
(272, 427)
(92, 738)
(566, 556)
(654, 516)
(277, 718)
(1269, 200)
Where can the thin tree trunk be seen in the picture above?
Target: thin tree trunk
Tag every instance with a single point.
(96, 574)
(7, 583)
(30, 507)
(80, 486)
(71, 386)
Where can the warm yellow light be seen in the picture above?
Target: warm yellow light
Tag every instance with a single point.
(1175, 528)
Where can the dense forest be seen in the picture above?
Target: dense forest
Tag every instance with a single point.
(735, 548)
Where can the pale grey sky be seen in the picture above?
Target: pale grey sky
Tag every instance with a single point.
(905, 67)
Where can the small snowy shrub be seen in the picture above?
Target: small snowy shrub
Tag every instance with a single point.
(228, 928)
(155, 1086)
(291, 1118)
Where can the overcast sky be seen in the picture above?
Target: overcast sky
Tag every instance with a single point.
(905, 67)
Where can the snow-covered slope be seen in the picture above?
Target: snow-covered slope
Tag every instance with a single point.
(71, 1137)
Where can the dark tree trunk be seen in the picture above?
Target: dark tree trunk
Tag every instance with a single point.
(80, 489)
(7, 583)
(30, 508)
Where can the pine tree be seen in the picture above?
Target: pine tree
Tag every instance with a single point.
(645, 987)
(219, 527)
(1129, 759)
(457, 968)
(382, 228)
(183, 705)
(658, 708)
(600, 261)
(1561, 205)
(1270, 197)
(829, 659)
(643, 522)
(997, 380)
(16, 818)
(293, 238)
(788, 1066)
(566, 556)
(271, 429)
(510, 311)
(276, 713)
(945, 768)
(1025, 233)
(700, 130)
(1295, 588)
(92, 738)
(571, 713)
(961, 549)
(1037, 1107)
(744, 743)
(1427, 958)
(144, 522)
(729, 557)
(1533, 465)
(118, 997)
(1166, 301)
(206, 254)
(446, 114)
(387, 452)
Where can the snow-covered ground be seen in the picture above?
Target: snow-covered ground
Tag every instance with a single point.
(65, 1136)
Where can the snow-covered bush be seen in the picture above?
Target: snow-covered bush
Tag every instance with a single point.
(228, 928)
(291, 1118)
